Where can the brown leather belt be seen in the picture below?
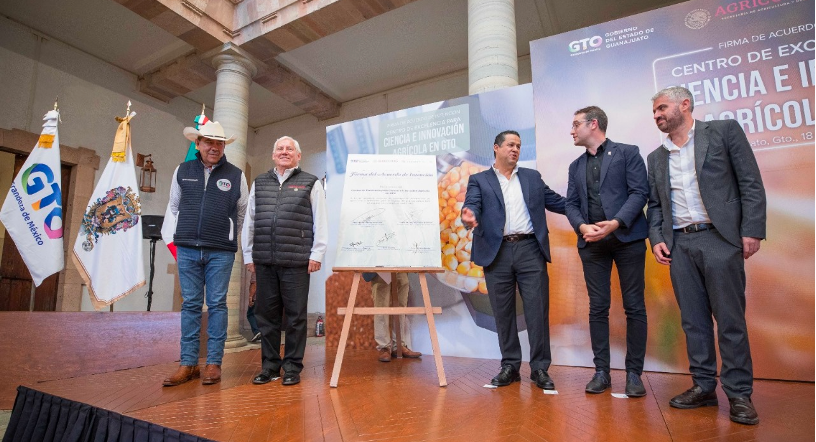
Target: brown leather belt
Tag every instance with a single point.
(694, 228)
(517, 237)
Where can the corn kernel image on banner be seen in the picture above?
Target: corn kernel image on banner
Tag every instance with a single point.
(459, 133)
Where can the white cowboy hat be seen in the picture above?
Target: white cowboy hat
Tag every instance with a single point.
(211, 130)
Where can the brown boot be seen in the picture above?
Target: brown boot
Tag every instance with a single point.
(182, 375)
(406, 353)
(212, 374)
(385, 355)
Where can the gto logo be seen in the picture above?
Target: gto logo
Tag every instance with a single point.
(586, 43)
(33, 183)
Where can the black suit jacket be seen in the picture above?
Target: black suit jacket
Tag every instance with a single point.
(729, 179)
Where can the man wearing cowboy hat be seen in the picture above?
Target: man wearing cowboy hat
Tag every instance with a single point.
(208, 196)
(284, 240)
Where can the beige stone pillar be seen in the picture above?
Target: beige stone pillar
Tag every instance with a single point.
(234, 72)
(492, 54)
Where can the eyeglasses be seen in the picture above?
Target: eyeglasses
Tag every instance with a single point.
(577, 123)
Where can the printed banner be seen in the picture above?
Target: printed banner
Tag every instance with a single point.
(457, 137)
(751, 61)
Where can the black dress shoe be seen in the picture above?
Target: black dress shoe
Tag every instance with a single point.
(506, 376)
(542, 380)
(694, 397)
(634, 386)
(265, 376)
(599, 383)
(743, 411)
(291, 378)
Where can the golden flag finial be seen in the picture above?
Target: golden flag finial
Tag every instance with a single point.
(121, 141)
(203, 106)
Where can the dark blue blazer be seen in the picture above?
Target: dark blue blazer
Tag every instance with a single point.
(484, 197)
(624, 191)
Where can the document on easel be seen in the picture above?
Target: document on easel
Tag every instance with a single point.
(389, 215)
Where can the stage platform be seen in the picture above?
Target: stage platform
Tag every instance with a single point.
(402, 401)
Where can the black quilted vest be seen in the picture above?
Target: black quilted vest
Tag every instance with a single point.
(284, 228)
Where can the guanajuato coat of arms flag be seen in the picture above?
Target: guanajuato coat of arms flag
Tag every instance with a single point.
(108, 249)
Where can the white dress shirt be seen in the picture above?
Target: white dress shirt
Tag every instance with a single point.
(687, 204)
(320, 227)
(517, 217)
(175, 195)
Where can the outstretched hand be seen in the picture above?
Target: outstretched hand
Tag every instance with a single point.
(468, 218)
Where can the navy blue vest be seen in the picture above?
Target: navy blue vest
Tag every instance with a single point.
(208, 217)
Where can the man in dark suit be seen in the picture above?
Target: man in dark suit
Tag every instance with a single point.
(505, 204)
(606, 194)
(706, 216)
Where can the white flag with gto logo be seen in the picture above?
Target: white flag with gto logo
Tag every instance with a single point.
(32, 212)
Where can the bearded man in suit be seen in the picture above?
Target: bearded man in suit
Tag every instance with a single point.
(706, 217)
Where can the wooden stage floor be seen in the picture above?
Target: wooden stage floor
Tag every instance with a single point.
(402, 401)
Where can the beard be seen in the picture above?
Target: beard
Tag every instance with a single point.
(672, 121)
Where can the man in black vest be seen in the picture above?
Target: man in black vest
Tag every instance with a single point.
(208, 196)
(284, 240)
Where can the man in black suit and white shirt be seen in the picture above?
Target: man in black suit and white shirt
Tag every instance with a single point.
(706, 217)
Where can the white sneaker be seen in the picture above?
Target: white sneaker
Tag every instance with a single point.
(256, 338)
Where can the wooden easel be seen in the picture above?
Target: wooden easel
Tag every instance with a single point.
(427, 310)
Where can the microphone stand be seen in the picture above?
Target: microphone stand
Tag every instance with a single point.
(149, 294)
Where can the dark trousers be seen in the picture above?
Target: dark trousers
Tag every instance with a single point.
(708, 276)
(521, 263)
(630, 260)
(282, 289)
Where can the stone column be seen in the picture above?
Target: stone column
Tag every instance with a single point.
(234, 72)
(492, 55)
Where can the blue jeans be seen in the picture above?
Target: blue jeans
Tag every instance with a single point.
(200, 267)
(253, 323)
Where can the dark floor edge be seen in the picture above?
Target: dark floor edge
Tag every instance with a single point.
(44, 417)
